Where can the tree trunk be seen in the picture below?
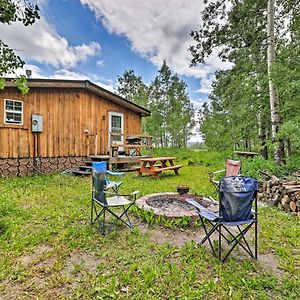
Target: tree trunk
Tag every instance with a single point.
(274, 100)
(289, 147)
(263, 151)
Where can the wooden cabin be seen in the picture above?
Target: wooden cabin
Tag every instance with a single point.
(59, 123)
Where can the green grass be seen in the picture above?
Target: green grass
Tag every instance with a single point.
(49, 250)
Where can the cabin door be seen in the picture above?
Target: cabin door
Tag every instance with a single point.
(116, 129)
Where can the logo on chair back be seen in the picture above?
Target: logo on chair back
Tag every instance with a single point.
(237, 184)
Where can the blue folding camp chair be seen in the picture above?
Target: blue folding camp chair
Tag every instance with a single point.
(101, 166)
(237, 195)
(105, 202)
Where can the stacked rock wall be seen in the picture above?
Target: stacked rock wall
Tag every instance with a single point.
(26, 166)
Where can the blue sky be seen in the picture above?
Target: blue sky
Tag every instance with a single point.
(100, 39)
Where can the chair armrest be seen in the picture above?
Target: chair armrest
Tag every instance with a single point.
(216, 172)
(131, 195)
(115, 173)
(212, 174)
(134, 194)
(111, 193)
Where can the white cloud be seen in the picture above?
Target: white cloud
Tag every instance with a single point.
(41, 42)
(36, 72)
(158, 30)
(100, 63)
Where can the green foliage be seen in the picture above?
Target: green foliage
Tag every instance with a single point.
(15, 11)
(48, 249)
(171, 121)
(132, 87)
(239, 109)
(18, 11)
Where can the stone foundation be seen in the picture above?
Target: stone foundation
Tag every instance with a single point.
(26, 166)
(173, 205)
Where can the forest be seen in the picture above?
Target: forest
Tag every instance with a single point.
(253, 105)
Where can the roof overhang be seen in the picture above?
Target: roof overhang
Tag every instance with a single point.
(85, 85)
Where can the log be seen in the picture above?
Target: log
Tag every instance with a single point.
(285, 194)
(270, 176)
(295, 186)
(293, 206)
(285, 200)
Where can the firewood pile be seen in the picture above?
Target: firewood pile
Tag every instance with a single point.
(283, 193)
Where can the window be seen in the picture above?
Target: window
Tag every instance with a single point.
(13, 112)
(116, 126)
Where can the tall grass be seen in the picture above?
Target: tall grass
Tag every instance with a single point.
(48, 249)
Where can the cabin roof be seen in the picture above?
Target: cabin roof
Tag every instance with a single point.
(85, 85)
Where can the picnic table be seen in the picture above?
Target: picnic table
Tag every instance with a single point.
(156, 165)
(246, 153)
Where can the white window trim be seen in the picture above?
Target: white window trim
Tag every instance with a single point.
(110, 114)
(13, 111)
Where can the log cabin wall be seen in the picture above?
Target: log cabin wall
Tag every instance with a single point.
(67, 113)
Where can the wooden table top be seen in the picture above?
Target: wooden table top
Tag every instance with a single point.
(154, 159)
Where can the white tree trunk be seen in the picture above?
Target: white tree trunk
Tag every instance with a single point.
(261, 123)
(274, 100)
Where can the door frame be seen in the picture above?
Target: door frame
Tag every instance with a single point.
(110, 114)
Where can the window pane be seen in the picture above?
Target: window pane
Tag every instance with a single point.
(13, 118)
(116, 121)
(116, 127)
(18, 106)
(9, 105)
(13, 112)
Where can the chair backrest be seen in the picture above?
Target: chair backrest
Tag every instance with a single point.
(236, 195)
(99, 184)
(100, 166)
(233, 167)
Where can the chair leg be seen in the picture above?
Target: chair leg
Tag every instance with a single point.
(92, 211)
(120, 217)
(208, 234)
(128, 220)
(101, 217)
(238, 242)
(95, 212)
(255, 240)
(220, 242)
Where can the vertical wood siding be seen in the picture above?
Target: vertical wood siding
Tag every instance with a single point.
(66, 114)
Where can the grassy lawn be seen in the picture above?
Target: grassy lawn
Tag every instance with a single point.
(49, 250)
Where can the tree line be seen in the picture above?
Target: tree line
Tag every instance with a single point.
(172, 114)
(254, 105)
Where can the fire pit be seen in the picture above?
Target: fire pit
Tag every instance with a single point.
(173, 205)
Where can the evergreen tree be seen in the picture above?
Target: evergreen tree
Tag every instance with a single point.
(172, 117)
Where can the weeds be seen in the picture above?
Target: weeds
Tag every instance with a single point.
(49, 250)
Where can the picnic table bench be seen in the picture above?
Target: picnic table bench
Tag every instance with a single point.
(149, 166)
(246, 153)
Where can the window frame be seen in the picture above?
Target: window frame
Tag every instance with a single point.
(111, 115)
(20, 112)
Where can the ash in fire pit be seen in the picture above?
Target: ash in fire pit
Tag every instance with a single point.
(172, 205)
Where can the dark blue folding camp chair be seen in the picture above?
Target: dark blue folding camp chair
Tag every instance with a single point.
(101, 166)
(237, 195)
(104, 201)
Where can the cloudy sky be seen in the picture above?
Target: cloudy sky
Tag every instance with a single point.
(100, 39)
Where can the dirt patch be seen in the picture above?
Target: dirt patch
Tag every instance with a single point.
(270, 263)
(80, 262)
(37, 253)
(176, 237)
